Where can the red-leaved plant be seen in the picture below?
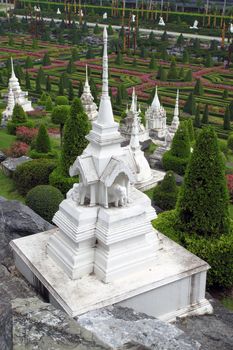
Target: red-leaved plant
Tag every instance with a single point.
(17, 149)
(26, 134)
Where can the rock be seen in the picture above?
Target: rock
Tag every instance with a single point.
(2, 156)
(123, 328)
(6, 337)
(48, 328)
(212, 331)
(9, 165)
(179, 179)
(155, 160)
(17, 220)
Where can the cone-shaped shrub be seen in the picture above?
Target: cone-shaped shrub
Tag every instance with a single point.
(18, 116)
(46, 60)
(202, 206)
(205, 117)
(74, 142)
(226, 121)
(177, 157)
(165, 194)
(190, 105)
(198, 89)
(189, 124)
(42, 141)
(197, 119)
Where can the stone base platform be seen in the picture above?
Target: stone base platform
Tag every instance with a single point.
(174, 286)
(157, 176)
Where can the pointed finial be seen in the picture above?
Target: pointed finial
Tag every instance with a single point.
(105, 115)
(127, 108)
(86, 74)
(139, 109)
(133, 103)
(134, 139)
(175, 120)
(12, 68)
(86, 89)
(156, 102)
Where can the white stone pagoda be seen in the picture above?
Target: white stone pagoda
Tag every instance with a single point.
(15, 96)
(156, 119)
(127, 122)
(87, 100)
(175, 121)
(104, 250)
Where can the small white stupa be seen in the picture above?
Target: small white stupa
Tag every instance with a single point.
(15, 96)
(105, 15)
(161, 21)
(87, 100)
(58, 11)
(104, 250)
(145, 177)
(156, 119)
(231, 28)
(127, 122)
(175, 121)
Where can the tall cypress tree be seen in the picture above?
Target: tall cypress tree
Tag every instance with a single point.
(61, 87)
(74, 142)
(202, 206)
(226, 121)
(48, 84)
(205, 117)
(80, 88)
(42, 142)
(198, 89)
(27, 81)
(197, 119)
(38, 85)
(190, 104)
(46, 60)
(70, 91)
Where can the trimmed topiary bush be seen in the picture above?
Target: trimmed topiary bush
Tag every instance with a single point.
(165, 194)
(44, 200)
(177, 157)
(18, 116)
(33, 173)
(230, 142)
(63, 182)
(202, 207)
(42, 141)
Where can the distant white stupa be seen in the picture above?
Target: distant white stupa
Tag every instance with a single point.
(195, 25)
(161, 21)
(15, 96)
(87, 100)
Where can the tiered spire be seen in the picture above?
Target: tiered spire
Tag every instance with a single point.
(156, 102)
(87, 89)
(176, 110)
(133, 107)
(105, 116)
(134, 139)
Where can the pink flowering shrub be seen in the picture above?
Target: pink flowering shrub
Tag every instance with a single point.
(17, 149)
(26, 134)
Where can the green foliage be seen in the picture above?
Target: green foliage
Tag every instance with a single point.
(119, 58)
(59, 116)
(43, 98)
(180, 41)
(42, 141)
(48, 104)
(205, 117)
(44, 200)
(198, 89)
(38, 85)
(230, 142)
(48, 86)
(28, 62)
(189, 124)
(172, 73)
(33, 173)
(110, 30)
(18, 116)
(90, 53)
(70, 91)
(188, 76)
(185, 58)
(96, 29)
(61, 101)
(152, 64)
(76, 128)
(231, 110)
(71, 66)
(225, 94)
(165, 194)
(46, 60)
(216, 251)
(80, 88)
(61, 86)
(190, 104)
(11, 127)
(197, 119)
(202, 207)
(61, 181)
(208, 61)
(74, 54)
(181, 73)
(177, 157)
(27, 81)
(226, 121)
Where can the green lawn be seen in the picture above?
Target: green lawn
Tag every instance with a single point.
(227, 302)
(7, 188)
(5, 139)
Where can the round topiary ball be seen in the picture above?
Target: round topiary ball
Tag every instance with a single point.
(44, 200)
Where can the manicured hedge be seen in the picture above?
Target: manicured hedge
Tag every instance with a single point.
(60, 181)
(33, 173)
(44, 200)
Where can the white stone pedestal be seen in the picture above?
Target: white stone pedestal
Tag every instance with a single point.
(174, 285)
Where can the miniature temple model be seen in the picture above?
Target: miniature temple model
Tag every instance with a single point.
(104, 234)
(156, 119)
(15, 96)
(127, 122)
(105, 178)
(88, 100)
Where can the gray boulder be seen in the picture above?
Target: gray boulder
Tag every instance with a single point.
(2, 156)
(9, 165)
(6, 338)
(16, 220)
